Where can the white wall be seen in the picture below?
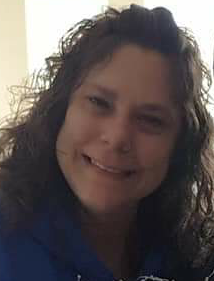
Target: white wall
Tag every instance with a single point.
(48, 20)
(13, 59)
(30, 30)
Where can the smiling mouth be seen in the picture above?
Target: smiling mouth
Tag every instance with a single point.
(108, 169)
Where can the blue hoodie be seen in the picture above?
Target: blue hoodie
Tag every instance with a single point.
(53, 249)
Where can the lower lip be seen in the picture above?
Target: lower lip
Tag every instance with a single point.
(112, 175)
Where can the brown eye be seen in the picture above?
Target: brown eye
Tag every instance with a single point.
(99, 102)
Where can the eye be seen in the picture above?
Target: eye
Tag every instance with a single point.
(151, 122)
(99, 102)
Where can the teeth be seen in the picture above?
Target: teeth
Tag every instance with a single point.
(108, 169)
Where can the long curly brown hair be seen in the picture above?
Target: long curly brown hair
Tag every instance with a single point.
(182, 208)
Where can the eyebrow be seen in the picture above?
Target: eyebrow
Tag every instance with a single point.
(157, 108)
(105, 90)
(149, 107)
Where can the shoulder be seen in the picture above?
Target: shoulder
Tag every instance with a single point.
(209, 270)
(23, 257)
(185, 273)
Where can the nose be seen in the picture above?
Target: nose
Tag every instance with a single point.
(117, 133)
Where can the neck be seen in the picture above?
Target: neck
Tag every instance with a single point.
(120, 229)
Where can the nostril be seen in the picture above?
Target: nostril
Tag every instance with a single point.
(129, 173)
(87, 158)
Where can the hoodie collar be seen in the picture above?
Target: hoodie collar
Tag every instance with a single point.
(60, 234)
(62, 238)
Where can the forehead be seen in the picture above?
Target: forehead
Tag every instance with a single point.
(138, 71)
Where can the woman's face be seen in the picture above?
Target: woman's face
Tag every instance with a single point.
(120, 130)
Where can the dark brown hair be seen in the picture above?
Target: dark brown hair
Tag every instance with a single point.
(182, 208)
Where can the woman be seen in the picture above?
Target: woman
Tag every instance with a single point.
(107, 173)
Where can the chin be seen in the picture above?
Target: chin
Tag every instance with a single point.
(104, 206)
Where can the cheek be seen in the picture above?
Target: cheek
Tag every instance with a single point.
(75, 132)
(154, 157)
(155, 151)
(68, 146)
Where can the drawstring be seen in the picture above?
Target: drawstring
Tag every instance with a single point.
(208, 277)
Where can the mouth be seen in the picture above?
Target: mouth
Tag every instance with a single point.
(109, 169)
